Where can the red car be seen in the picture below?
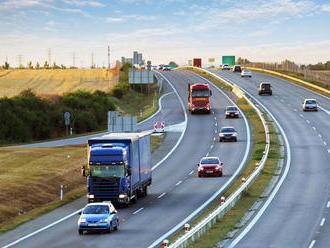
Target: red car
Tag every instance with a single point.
(210, 166)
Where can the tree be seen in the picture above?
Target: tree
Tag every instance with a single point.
(37, 66)
(241, 61)
(55, 66)
(173, 64)
(6, 66)
(46, 65)
(30, 66)
(63, 66)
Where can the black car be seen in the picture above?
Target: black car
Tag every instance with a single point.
(227, 134)
(265, 88)
(231, 112)
(237, 68)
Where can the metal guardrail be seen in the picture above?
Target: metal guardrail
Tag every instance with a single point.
(192, 235)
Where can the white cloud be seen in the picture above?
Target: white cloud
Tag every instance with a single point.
(325, 7)
(84, 3)
(113, 19)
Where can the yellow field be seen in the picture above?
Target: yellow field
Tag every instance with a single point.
(12, 82)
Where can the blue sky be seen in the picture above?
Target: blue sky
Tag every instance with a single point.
(164, 30)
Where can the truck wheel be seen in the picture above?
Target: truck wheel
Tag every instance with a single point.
(145, 191)
(220, 140)
(81, 232)
(134, 200)
(235, 139)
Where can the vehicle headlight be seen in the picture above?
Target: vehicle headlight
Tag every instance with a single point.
(201, 168)
(221, 134)
(82, 220)
(104, 220)
(122, 196)
(91, 196)
(236, 113)
(234, 134)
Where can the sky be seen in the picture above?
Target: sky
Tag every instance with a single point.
(163, 30)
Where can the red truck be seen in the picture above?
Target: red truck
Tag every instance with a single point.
(199, 98)
(197, 62)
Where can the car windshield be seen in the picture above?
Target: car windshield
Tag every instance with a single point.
(96, 209)
(310, 102)
(247, 71)
(210, 161)
(231, 108)
(227, 130)
(200, 93)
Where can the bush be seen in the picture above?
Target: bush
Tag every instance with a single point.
(120, 89)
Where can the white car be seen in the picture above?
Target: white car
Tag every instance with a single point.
(225, 67)
(228, 134)
(246, 73)
(310, 105)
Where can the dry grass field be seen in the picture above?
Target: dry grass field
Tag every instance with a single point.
(12, 82)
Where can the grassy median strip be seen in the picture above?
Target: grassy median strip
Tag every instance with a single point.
(30, 180)
(223, 226)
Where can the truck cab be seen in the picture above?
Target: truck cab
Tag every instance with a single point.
(199, 98)
(119, 167)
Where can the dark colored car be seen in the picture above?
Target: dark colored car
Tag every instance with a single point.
(227, 134)
(265, 88)
(231, 112)
(237, 68)
(210, 166)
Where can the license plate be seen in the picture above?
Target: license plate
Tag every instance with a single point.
(92, 224)
(209, 171)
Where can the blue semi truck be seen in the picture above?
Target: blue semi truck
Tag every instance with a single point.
(119, 167)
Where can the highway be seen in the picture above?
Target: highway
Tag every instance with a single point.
(298, 215)
(176, 191)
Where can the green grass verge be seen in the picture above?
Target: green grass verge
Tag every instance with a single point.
(223, 226)
(29, 188)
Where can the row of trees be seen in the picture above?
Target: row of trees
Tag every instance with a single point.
(37, 66)
(29, 117)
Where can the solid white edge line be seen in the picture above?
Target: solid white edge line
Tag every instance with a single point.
(322, 222)
(184, 129)
(159, 108)
(326, 111)
(278, 185)
(41, 229)
(312, 244)
(137, 211)
(216, 194)
(153, 168)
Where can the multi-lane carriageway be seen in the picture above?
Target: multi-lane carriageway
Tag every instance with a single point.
(176, 191)
(298, 215)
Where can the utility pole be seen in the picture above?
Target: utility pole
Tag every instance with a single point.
(49, 57)
(108, 56)
(92, 66)
(73, 59)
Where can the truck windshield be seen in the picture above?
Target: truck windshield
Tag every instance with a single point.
(107, 171)
(200, 93)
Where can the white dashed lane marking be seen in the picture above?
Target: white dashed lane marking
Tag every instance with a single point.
(178, 183)
(191, 172)
(139, 210)
(322, 222)
(314, 128)
(312, 244)
(161, 195)
(328, 205)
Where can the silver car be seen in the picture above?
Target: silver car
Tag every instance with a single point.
(246, 73)
(228, 134)
(309, 105)
(231, 112)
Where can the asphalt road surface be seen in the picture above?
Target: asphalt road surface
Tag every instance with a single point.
(176, 191)
(298, 216)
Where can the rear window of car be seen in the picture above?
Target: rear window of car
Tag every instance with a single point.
(210, 161)
(231, 108)
(311, 102)
(227, 130)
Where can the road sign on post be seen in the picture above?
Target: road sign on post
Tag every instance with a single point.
(67, 122)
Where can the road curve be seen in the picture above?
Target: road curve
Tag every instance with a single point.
(176, 191)
(294, 216)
